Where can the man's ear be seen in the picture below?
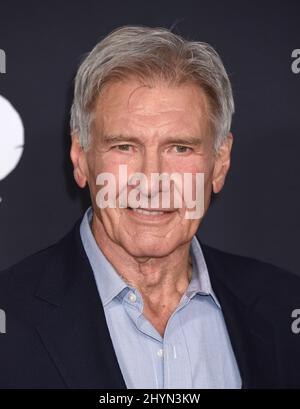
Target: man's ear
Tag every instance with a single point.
(78, 158)
(222, 164)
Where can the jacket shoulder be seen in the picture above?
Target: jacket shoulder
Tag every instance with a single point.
(253, 275)
(21, 280)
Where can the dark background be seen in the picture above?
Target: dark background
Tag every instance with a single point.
(257, 212)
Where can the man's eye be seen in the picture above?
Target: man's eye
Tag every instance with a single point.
(124, 147)
(182, 149)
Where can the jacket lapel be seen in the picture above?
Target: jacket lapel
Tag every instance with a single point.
(74, 331)
(250, 334)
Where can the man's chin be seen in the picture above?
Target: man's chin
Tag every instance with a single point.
(140, 249)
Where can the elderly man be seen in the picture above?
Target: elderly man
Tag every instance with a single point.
(130, 297)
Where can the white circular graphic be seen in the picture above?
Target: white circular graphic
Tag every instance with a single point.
(11, 138)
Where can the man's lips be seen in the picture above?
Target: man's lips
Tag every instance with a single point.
(151, 209)
(150, 212)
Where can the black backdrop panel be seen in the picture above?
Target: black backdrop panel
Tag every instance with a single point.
(257, 212)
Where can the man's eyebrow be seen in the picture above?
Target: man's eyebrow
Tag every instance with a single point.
(108, 139)
(185, 140)
(175, 140)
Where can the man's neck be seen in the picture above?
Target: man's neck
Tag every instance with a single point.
(161, 281)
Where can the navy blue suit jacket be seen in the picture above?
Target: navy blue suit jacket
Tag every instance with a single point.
(57, 337)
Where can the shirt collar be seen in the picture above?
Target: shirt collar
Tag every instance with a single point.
(200, 282)
(110, 284)
(108, 281)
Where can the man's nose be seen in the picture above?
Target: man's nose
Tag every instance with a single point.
(151, 164)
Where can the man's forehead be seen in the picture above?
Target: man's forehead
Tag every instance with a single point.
(174, 110)
(140, 131)
(133, 97)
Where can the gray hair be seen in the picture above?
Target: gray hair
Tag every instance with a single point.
(150, 53)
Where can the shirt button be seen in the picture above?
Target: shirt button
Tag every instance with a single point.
(132, 297)
(160, 353)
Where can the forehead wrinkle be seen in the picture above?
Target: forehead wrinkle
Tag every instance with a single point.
(179, 139)
(133, 91)
(147, 117)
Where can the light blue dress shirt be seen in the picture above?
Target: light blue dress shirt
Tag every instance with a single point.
(195, 351)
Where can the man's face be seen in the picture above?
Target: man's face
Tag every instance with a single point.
(155, 129)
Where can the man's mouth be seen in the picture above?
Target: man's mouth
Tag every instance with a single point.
(151, 212)
(148, 212)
